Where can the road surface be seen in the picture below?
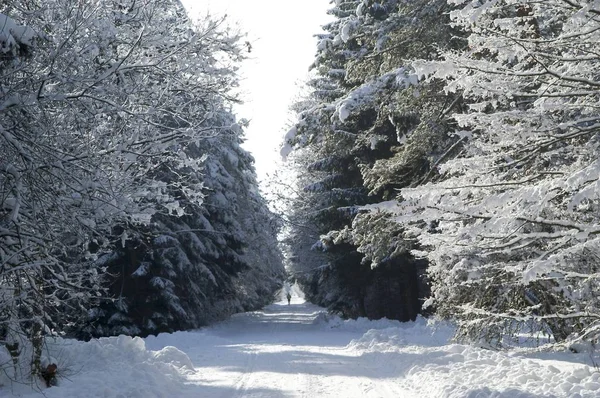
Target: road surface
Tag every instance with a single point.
(286, 351)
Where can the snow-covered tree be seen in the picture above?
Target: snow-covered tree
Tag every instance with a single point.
(373, 130)
(98, 99)
(215, 260)
(511, 229)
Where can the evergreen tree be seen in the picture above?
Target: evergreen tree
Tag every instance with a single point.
(106, 108)
(214, 260)
(373, 130)
(511, 227)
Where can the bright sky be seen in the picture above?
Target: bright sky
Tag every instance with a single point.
(283, 46)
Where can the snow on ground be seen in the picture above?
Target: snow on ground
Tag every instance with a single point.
(298, 350)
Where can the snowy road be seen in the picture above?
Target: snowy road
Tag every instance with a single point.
(295, 351)
(298, 351)
(285, 351)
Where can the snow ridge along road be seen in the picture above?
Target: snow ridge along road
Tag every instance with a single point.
(298, 350)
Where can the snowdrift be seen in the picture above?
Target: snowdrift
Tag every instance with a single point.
(294, 350)
(115, 367)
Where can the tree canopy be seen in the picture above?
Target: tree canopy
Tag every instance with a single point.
(120, 159)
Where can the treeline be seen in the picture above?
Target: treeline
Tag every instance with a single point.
(460, 138)
(126, 202)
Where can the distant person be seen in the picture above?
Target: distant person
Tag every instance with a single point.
(289, 297)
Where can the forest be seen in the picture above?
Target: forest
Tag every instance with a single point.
(127, 205)
(444, 159)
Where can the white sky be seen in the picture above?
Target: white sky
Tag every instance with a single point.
(283, 46)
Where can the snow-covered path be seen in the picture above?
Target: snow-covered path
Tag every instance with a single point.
(285, 351)
(298, 351)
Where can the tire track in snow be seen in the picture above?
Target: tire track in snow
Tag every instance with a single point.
(243, 383)
(288, 351)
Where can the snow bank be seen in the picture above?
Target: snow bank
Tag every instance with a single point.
(465, 371)
(385, 335)
(359, 324)
(422, 330)
(115, 367)
(285, 349)
(438, 368)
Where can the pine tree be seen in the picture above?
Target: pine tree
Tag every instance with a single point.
(374, 130)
